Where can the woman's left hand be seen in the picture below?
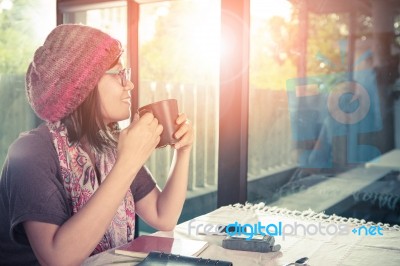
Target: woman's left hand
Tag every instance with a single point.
(185, 133)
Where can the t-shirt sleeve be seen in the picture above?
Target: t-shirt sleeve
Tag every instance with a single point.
(142, 184)
(33, 184)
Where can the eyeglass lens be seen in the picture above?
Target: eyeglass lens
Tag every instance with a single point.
(125, 76)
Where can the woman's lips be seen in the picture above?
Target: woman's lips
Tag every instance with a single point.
(127, 100)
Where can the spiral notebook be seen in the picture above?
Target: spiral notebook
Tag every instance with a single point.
(163, 259)
(143, 245)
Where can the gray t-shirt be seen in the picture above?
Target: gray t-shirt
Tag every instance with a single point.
(31, 189)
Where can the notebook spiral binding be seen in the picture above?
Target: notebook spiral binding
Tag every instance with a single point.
(156, 258)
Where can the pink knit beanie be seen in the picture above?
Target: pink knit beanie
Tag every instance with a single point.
(67, 68)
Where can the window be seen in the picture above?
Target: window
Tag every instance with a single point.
(22, 29)
(320, 100)
(271, 64)
(179, 58)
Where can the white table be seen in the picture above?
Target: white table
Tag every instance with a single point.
(390, 160)
(350, 249)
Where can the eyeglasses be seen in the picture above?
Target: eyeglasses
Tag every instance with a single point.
(125, 75)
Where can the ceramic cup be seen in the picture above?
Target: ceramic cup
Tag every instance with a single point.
(166, 112)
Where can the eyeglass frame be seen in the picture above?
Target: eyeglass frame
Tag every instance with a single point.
(124, 74)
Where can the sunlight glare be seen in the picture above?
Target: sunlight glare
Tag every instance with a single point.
(6, 5)
(265, 9)
(42, 25)
(204, 41)
(198, 36)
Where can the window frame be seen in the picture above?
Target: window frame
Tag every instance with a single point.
(234, 104)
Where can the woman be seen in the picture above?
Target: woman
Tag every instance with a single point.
(71, 187)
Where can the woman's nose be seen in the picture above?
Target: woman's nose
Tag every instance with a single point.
(129, 86)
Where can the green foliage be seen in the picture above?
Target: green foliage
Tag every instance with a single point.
(275, 48)
(272, 58)
(323, 50)
(18, 35)
(16, 115)
(19, 28)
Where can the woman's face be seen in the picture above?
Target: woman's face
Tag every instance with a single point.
(114, 99)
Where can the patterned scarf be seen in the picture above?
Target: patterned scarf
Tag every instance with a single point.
(80, 183)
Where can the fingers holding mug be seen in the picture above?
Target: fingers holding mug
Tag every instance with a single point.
(146, 117)
(183, 127)
(185, 134)
(182, 118)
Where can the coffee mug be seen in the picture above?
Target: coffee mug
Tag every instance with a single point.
(166, 112)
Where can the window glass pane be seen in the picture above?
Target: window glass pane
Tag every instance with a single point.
(179, 58)
(22, 29)
(321, 101)
(271, 64)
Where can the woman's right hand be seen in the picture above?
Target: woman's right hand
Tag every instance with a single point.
(138, 140)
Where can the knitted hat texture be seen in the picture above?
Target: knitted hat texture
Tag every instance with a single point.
(67, 68)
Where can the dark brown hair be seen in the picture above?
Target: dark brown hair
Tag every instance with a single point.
(87, 121)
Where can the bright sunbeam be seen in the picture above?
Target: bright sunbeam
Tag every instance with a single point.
(193, 34)
(265, 9)
(204, 40)
(6, 5)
